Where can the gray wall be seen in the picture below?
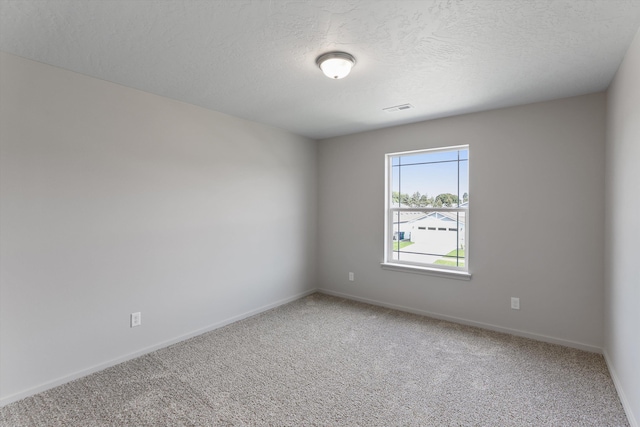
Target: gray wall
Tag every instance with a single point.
(115, 201)
(622, 291)
(536, 220)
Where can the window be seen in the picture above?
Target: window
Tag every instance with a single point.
(427, 192)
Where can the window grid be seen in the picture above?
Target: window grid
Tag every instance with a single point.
(395, 251)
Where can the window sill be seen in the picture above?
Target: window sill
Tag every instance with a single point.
(440, 272)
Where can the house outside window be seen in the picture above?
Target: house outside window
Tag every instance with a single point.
(427, 210)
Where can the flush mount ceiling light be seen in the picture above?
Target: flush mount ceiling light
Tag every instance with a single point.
(336, 65)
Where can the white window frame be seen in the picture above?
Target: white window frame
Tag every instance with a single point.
(462, 273)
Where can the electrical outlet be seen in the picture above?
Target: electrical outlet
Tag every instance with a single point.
(136, 319)
(351, 276)
(515, 303)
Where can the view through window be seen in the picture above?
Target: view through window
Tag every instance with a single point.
(428, 208)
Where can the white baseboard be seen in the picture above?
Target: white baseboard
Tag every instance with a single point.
(623, 398)
(96, 368)
(519, 333)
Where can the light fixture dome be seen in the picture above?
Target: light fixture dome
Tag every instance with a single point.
(336, 65)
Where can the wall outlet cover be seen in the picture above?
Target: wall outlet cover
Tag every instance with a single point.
(136, 319)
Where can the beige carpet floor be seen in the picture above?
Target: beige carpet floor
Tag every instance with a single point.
(327, 361)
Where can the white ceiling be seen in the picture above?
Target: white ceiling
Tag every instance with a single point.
(256, 58)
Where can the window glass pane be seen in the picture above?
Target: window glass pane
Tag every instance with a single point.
(395, 187)
(455, 240)
(401, 236)
(429, 238)
(463, 196)
(421, 184)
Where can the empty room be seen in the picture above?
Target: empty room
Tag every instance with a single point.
(319, 213)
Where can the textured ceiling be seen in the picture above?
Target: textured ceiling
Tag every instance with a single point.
(256, 59)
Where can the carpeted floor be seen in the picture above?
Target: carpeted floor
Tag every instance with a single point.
(327, 361)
